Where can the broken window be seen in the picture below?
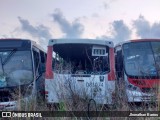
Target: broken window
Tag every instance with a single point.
(81, 58)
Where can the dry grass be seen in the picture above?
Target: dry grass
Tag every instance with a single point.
(79, 103)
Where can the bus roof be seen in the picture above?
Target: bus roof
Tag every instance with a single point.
(137, 40)
(80, 41)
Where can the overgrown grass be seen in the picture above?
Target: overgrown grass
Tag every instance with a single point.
(78, 102)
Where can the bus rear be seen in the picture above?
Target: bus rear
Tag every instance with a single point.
(141, 59)
(81, 67)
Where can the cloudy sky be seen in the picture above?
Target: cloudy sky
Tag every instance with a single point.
(115, 20)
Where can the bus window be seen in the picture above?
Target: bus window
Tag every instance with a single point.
(36, 62)
(43, 61)
(119, 63)
(42, 55)
(83, 58)
(156, 50)
(141, 58)
(17, 68)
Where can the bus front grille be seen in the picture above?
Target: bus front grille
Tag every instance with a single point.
(148, 90)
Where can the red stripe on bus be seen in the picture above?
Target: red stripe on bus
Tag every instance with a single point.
(111, 75)
(49, 72)
(144, 83)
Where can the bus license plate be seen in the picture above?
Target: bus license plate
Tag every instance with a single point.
(94, 84)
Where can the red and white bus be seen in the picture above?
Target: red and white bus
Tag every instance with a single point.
(21, 64)
(82, 66)
(137, 64)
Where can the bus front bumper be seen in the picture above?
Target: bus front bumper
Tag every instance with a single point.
(16, 105)
(137, 96)
(12, 105)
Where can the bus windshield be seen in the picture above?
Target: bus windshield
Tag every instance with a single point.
(79, 58)
(142, 58)
(15, 68)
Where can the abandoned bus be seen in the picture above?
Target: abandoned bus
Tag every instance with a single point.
(83, 67)
(137, 64)
(21, 64)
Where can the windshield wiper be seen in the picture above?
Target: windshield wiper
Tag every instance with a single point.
(6, 60)
(8, 57)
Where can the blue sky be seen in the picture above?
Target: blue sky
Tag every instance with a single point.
(116, 20)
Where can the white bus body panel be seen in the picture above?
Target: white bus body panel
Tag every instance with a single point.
(63, 85)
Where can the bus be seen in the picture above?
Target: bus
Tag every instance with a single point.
(137, 65)
(83, 67)
(22, 63)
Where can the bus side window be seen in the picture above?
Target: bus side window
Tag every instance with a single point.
(119, 64)
(36, 62)
(43, 61)
(55, 64)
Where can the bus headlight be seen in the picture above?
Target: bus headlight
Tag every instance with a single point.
(132, 87)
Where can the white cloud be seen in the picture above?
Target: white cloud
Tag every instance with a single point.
(120, 32)
(41, 32)
(146, 30)
(71, 30)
